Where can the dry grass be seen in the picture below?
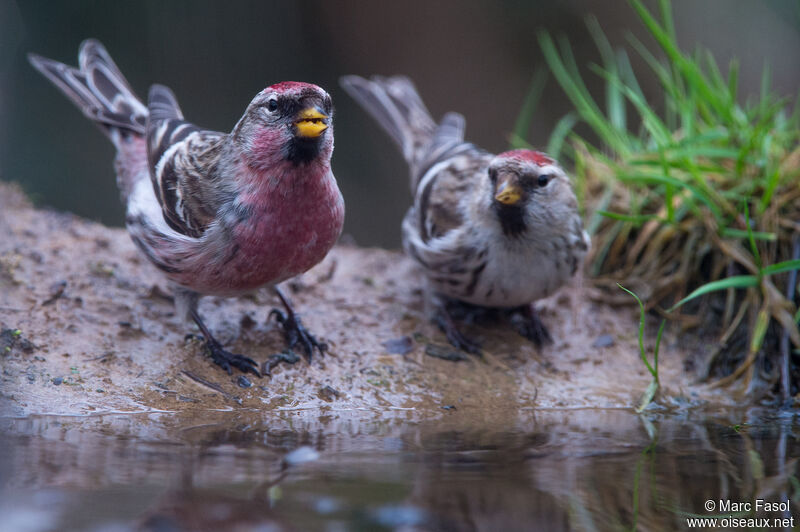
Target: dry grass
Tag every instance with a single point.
(695, 208)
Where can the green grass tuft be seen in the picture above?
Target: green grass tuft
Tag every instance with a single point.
(691, 198)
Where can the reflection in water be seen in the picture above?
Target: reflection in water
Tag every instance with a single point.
(584, 470)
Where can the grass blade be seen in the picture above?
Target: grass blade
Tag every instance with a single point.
(735, 281)
(615, 103)
(636, 219)
(752, 239)
(559, 134)
(642, 353)
(781, 267)
(577, 93)
(525, 116)
(729, 232)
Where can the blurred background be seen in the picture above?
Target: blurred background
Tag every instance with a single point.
(474, 57)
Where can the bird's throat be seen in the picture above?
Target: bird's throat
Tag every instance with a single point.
(512, 219)
(302, 150)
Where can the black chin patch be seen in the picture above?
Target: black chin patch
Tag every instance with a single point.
(302, 150)
(511, 218)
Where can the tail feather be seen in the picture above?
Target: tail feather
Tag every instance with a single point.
(98, 88)
(451, 127)
(395, 104)
(162, 104)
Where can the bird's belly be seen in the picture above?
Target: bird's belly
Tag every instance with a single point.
(512, 280)
(269, 249)
(267, 265)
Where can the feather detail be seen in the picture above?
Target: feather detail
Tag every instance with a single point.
(98, 88)
(184, 162)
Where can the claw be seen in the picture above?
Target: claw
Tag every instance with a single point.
(455, 336)
(225, 359)
(295, 332)
(293, 329)
(221, 357)
(529, 325)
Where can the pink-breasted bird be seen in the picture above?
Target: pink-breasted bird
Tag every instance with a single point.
(218, 213)
(499, 231)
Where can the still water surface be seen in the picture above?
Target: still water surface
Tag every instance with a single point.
(336, 471)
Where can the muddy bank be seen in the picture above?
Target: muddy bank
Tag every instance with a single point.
(89, 328)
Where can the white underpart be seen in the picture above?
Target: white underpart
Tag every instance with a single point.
(143, 202)
(518, 276)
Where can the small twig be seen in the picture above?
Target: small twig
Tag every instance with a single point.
(744, 366)
(736, 321)
(723, 341)
(99, 357)
(786, 385)
(56, 291)
(214, 386)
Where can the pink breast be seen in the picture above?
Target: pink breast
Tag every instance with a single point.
(283, 238)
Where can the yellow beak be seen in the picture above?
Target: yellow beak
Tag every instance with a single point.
(508, 193)
(310, 123)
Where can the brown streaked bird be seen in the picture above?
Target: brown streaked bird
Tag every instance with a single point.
(499, 231)
(217, 213)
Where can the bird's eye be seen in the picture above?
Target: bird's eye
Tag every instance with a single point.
(543, 180)
(493, 175)
(272, 105)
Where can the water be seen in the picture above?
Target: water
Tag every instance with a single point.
(548, 470)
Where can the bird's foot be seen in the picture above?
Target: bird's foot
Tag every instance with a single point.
(287, 356)
(528, 324)
(295, 332)
(221, 357)
(455, 336)
(226, 359)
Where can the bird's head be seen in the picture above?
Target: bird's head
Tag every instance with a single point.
(287, 122)
(529, 188)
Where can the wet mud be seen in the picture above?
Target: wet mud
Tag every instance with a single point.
(88, 327)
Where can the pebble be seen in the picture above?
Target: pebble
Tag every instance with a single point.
(399, 346)
(301, 455)
(604, 340)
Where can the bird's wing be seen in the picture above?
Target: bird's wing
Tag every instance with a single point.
(184, 161)
(452, 260)
(435, 230)
(444, 189)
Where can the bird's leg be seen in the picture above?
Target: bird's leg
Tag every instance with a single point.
(293, 329)
(527, 322)
(221, 357)
(448, 326)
